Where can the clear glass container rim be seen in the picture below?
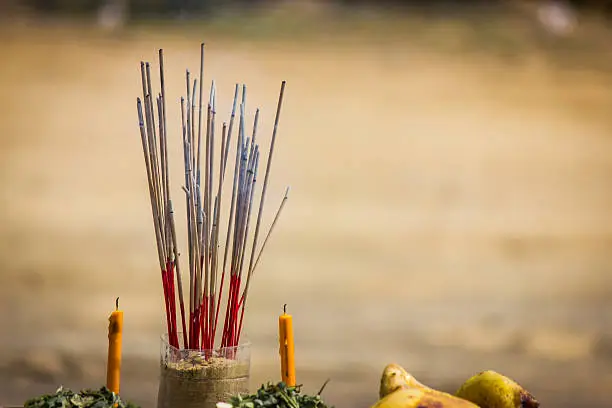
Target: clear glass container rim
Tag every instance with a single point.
(244, 343)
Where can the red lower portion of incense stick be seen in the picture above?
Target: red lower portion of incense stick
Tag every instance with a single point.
(191, 330)
(241, 306)
(182, 306)
(227, 313)
(211, 322)
(230, 333)
(218, 305)
(167, 302)
(204, 323)
(170, 302)
(232, 327)
(200, 329)
(172, 292)
(196, 327)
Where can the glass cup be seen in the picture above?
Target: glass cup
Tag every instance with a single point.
(202, 378)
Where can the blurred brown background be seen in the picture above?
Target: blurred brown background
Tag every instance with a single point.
(450, 170)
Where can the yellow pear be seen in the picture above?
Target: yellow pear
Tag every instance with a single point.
(399, 389)
(489, 389)
(421, 398)
(395, 377)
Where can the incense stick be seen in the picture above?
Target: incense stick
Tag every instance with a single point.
(261, 202)
(278, 213)
(172, 227)
(204, 206)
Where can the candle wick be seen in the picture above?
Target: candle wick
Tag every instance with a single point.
(285, 308)
(117, 304)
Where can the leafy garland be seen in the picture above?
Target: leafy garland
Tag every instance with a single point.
(65, 398)
(279, 396)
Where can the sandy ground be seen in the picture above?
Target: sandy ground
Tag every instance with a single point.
(449, 211)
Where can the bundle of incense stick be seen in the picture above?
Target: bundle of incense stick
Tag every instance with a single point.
(204, 208)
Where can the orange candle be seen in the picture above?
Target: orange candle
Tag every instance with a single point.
(285, 329)
(115, 333)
